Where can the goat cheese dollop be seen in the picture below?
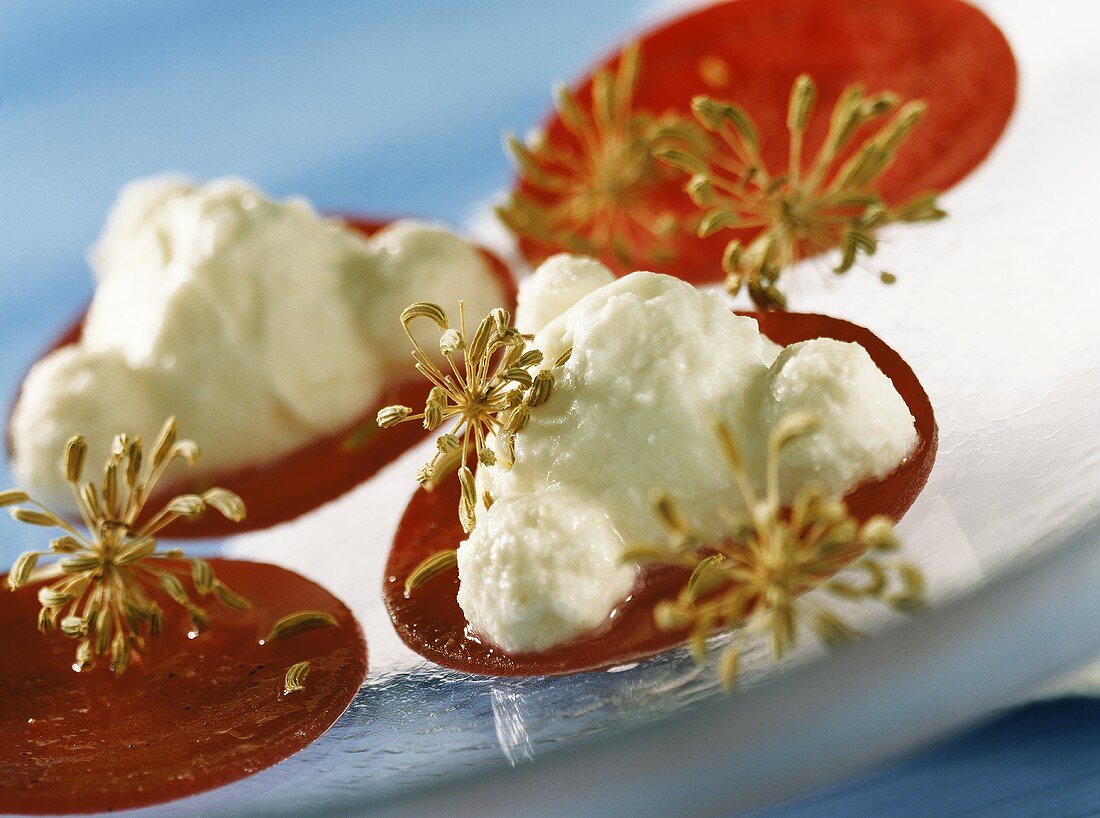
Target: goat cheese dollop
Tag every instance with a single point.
(560, 559)
(260, 324)
(652, 359)
(558, 283)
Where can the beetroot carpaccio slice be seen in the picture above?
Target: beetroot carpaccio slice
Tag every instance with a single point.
(946, 52)
(431, 623)
(192, 712)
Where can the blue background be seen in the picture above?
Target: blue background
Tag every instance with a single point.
(380, 108)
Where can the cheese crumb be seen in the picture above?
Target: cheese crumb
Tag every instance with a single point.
(540, 569)
(555, 286)
(865, 429)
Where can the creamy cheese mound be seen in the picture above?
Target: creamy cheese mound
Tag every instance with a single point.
(556, 556)
(653, 359)
(558, 283)
(865, 429)
(260, 324)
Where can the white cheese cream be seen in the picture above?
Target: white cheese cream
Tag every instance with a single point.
(653, 358)
(260, 324)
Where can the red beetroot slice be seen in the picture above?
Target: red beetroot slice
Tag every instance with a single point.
(945, 52)
(431, 622)
(322, 470)
(189, 714)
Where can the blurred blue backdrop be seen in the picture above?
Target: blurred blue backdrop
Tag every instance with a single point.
(371, 107)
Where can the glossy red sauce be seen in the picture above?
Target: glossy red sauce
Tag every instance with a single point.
(750, 51)
(322, 470)
(189, 714)
(431, 622)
